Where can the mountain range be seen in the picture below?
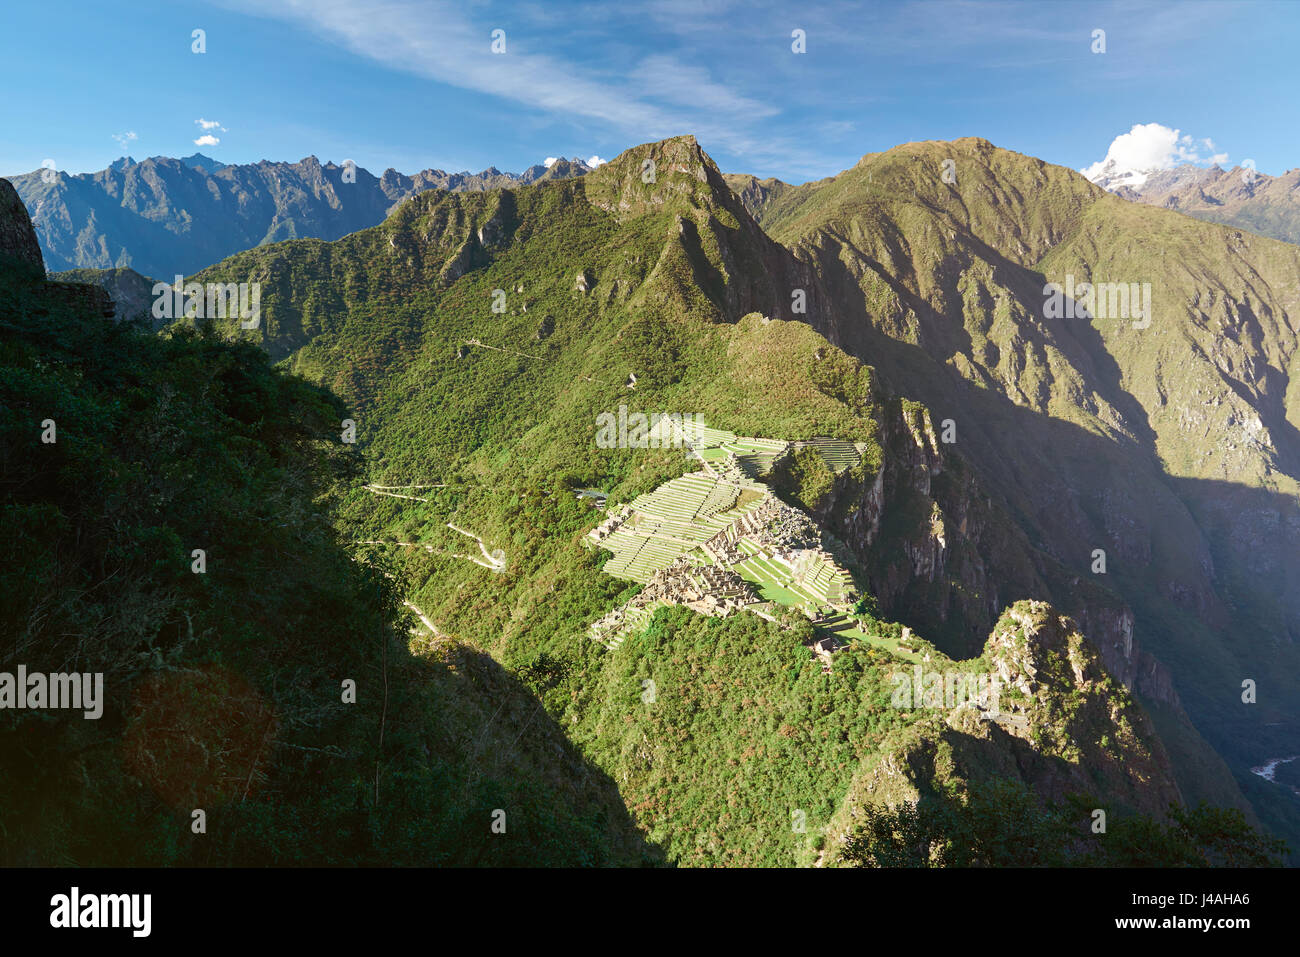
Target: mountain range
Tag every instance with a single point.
(1169, 447)
(164, 217)
(1046, 434)
(1241, 196)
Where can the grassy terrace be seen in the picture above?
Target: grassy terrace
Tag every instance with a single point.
(684, 513)
(836, 453)
(637, 618)
(675, 518)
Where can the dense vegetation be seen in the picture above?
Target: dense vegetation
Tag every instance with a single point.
(474, 339)
(1004, 824)
(224, 689)
(596, 282)
(1169, 442)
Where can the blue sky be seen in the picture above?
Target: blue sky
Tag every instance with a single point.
(414, 84)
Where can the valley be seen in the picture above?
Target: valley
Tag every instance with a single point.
(913, 523)
(908, 463)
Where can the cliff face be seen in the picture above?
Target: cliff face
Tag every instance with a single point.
(944, 557)
(17, 236)
(131, 293)
(1162, 433)
(1071, 705)
(18, 245)
(1060, 724)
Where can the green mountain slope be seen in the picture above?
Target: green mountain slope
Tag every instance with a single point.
(224, 685)
(1170, 445)
(660, 293)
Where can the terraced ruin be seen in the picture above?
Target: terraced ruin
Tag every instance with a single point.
(719, 541)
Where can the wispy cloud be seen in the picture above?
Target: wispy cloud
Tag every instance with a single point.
(651, 98)
(686, 84)
(621, 74)
(124, 139)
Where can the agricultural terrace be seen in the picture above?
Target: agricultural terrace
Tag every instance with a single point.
(723, 514)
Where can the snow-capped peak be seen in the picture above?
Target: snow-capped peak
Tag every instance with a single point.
(1148, 148)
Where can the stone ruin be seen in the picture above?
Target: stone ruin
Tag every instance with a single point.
(611, 524)
(707, 589)
(779, 525)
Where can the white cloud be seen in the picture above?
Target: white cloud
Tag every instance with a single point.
(1146, 148)
(208, 139)
(124, 138)
(593, 161)
(550, 161)
(655, 97)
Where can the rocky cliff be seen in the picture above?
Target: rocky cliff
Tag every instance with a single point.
(1058, 722)
(17, 236)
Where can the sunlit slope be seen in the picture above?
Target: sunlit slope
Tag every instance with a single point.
(479, 338)
(1166, 439)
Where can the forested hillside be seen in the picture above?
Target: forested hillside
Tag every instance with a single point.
(1165, 437)
(123, 456)
(480, 336)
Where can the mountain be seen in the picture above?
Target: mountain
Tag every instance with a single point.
(18, 242)
(199, 161)
(168, 217)
(1245, 198)
(756, 194)
(152, 488)
(398, 187)
(481, 338)
(913, 531)
(131, 293)
(1166, 438)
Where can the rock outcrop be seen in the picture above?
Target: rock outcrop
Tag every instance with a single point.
(17, 236)
(18, 247)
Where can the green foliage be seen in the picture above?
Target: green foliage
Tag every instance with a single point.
(495, 413)
(803, 478)
(222, 690)
(744, 729)
(1004, 824)
(867, 611)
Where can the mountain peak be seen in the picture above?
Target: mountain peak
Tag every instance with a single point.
(199, 161)
(648, 176)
